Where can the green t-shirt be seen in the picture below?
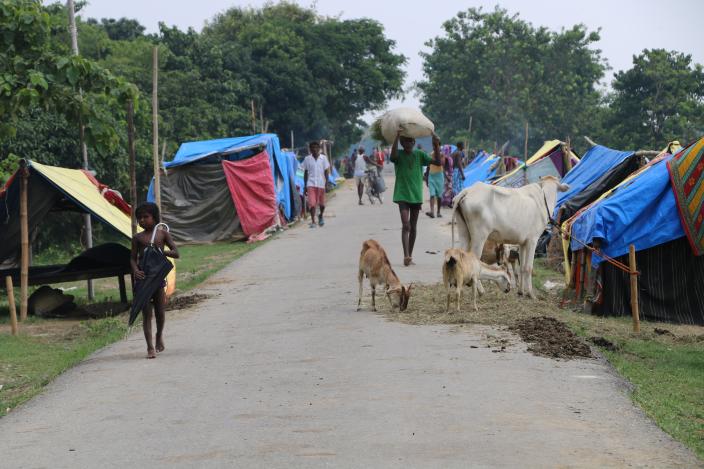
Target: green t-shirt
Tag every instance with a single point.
(409, 176)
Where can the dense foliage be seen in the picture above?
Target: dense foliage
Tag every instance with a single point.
(505, 72)
(658, 100)
(301, 72)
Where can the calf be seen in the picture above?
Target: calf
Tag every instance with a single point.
(462, 268)
(374, 264)
(507, 254)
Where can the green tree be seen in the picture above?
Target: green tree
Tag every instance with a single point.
(505, 72)
(661, 98)
(310, 74)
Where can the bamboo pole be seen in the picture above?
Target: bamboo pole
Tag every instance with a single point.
(525, 156)
(133, 173)
(24, 243)
(469, 134)
(81, 131)
(254, 117)
(292, 144)
(11, 304)
(163, 154)
(155, 125)
(567, 156)
(261, 118)
(634, 288)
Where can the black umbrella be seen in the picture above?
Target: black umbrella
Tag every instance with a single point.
(156, 267)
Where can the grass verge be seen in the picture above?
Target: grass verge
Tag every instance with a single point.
(45, 348)
(664, 363)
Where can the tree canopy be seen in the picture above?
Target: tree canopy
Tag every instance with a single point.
(303, 72)
(658, 100)
(504, 72)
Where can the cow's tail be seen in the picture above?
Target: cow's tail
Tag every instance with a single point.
(456, 207)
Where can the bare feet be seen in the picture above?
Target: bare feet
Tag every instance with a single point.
(151, 353)
(408, 261)
(160, 344)
(430, 214)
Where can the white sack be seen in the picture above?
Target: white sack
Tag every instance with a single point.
(411, 121)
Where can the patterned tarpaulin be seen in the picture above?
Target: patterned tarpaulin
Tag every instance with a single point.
(687, 179)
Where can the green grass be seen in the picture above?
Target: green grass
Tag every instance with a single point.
(30, 362)
(668, 382)
(45, 348)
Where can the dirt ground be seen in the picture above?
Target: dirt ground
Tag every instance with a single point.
(540, 322)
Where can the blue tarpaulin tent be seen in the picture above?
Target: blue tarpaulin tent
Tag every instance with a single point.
(479, 170)
(236, 148)
(641, 212)
(597, 161)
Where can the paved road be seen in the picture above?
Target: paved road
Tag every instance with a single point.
(277, 369)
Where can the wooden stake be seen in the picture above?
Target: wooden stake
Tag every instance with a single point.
(11, 304)
(133, 173)
(24, 243)
(634, 288)
(292, 144)
(155, 125)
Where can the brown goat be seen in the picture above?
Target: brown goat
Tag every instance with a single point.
(375, 265)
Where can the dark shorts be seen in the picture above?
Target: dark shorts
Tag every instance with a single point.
(409, 206)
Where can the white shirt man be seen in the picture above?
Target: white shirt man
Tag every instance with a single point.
(315, 167)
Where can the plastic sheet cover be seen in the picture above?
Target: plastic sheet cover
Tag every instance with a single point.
(252, 193)
(641, 212)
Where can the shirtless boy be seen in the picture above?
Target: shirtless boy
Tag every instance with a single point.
(148, 216)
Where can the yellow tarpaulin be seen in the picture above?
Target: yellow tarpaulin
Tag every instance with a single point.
(75, 184)
(545, 150)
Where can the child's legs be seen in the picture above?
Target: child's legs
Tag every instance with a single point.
(147, 325)
(159, 300)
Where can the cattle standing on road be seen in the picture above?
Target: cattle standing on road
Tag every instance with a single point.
(506, 215)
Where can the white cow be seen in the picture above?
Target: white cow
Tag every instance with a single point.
(506, 215)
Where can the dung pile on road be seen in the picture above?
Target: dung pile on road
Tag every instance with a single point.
(549, 337)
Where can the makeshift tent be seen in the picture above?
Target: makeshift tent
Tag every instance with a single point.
(642, 211)
(547, 161)
(481, 169)
(51, 188)
(197, 202)
(599, 170)
(687, 179)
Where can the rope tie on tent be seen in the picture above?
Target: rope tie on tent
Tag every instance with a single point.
(618, 264)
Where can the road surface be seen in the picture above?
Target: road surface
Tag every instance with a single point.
(277, 369)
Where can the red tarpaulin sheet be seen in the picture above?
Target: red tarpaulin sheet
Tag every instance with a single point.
(252, 191)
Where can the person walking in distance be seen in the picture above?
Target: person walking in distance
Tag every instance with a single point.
(316, 169)
(458, 158)
(436, 184)
(360, 167)
(408, 188)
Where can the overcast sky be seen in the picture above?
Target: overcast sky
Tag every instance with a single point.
(627, 26)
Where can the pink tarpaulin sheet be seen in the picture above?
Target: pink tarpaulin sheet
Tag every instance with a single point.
(252, 191)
